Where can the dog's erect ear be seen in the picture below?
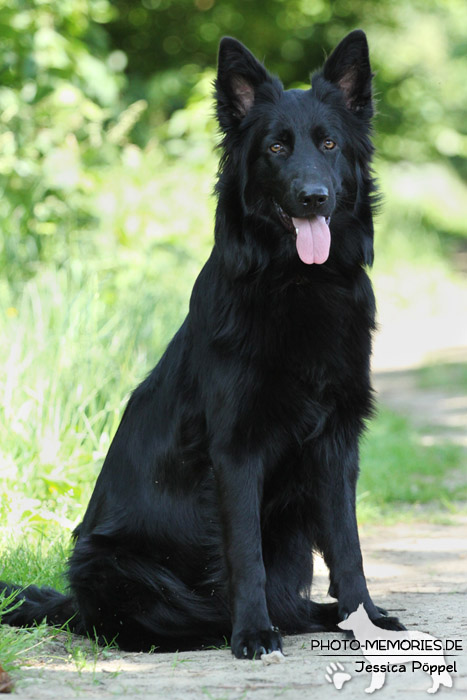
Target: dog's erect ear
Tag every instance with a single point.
(239, 76)
(349, 68)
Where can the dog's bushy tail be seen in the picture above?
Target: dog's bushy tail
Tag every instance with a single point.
(304, 615)
(324, 617)
(32, 605)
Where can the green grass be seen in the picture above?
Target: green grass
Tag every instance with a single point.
(451, 375)
(398, 469)
(25, 559)
(73, 354)
(37, 557)
(16, 645)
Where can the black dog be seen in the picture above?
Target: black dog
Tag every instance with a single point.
(239, 453)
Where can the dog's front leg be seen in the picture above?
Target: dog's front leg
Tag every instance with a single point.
(239, 489)
(335, 469)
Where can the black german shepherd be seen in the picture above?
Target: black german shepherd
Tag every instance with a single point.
(238, 455)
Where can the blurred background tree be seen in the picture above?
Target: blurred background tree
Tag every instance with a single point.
(418, 50)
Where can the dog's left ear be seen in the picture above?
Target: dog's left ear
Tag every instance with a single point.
(239, 76)
(349, 68)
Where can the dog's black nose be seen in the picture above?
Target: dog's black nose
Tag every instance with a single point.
(314, 196)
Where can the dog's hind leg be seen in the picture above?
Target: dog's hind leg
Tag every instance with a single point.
(288, 563)
(132, 599)
(288, 560)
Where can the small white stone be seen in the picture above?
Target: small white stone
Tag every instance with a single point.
(274, 657)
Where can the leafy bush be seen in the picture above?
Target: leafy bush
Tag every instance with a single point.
(59, 89)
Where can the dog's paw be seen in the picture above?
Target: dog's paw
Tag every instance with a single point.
(388, 623)
(252, 644)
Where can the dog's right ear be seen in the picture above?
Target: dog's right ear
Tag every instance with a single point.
(239, 76)
(348, 67)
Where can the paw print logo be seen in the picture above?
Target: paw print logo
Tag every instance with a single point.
(337, 675)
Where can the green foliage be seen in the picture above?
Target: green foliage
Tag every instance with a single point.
(59, 89)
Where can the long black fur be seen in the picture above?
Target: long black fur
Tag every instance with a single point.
(238, 455)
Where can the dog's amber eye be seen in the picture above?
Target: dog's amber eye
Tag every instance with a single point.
(276, 148)
(329, 144)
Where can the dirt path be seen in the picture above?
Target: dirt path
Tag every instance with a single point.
(418, 572)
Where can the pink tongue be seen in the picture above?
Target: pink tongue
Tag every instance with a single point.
(313, 239)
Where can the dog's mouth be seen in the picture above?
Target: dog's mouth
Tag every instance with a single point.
(313, 236)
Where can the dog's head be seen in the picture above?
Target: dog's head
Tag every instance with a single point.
(300, 157)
